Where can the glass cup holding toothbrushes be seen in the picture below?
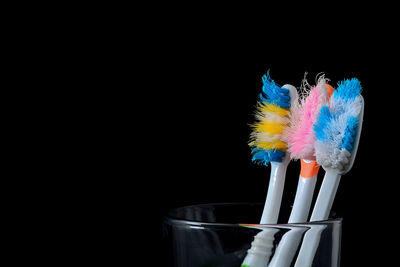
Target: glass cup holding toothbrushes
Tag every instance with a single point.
(222, 235)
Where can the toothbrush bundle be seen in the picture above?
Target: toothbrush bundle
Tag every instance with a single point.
(300, 137)
(323, 128)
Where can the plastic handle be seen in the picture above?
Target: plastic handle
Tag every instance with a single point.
(321, 211)
(326, 195)
(303, 199)
(275, 191)
(287, 247)
(261, 249)
(309, 246)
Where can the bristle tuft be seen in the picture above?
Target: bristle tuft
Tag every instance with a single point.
(274, 94)
(325, 117)
(301, 136)
(272, 117)
(264, 157)
(337, 126)
(350, 133)
(348, 89)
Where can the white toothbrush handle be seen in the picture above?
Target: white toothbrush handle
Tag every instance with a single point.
(309, 247)
(303, 199)
(261, 249)
(275, 190)
(287, 247)
(321, 211)
(326, 195)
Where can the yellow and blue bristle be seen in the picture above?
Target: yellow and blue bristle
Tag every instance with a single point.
(272, 117)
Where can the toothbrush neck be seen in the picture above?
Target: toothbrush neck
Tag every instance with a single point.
(309, 169)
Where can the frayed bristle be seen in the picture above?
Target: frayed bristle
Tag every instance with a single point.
(329, 156)
(274, 94)
(337, 126)
(300, 135)
(350, 133)
(272, 117)
(348, 89)
(264, 157)
(324, 119)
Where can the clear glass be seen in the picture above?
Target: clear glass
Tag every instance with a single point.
(224, 235)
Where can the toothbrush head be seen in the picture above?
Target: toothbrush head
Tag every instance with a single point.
(272, 118)
(300, 135)
(338, 128)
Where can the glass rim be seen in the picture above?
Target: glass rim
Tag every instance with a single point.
(175, 220)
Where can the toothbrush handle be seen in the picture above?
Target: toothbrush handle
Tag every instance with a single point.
(287, 247)
(303, 199)
(274, 196)
(261, 249)
(321, 211)
(307, 251)
(326, 196)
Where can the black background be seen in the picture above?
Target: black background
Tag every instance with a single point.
(203, 94)
(155, 113)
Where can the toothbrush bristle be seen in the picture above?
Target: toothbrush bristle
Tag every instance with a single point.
(265, 156)
(274, 94)
(300, 136)
(322, 124)
(337, 126)
(272, 118)
(348, 89)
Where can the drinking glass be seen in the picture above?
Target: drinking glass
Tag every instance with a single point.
(227, 235)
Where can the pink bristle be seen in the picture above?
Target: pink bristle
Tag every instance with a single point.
(301, 137)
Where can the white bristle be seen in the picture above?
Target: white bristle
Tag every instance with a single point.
(327, 152)
(266, 137)
(268, 116)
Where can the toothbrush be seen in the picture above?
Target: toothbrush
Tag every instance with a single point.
(300, 138)
(268, 147)
(266, 141)
(338, 132)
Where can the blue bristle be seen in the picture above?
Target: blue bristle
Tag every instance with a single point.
(348, 89)
(325, 117)
(266, 156)
(258, 155)
(350, 133)
(274, 94)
